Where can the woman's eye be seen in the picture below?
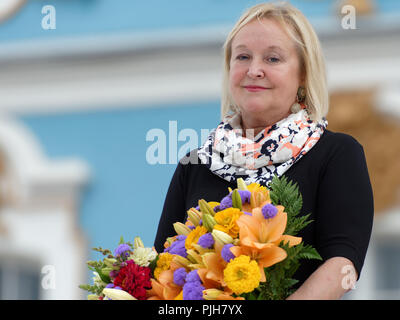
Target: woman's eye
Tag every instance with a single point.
(273, 59)
(241, 57)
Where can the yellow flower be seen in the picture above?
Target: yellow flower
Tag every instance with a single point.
(163, 263)
(242, 275)
(256, 187)
(194, 236)
(226, 221)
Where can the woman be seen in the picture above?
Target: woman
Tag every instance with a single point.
(273, 107)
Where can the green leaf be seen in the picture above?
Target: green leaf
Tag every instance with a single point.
(153, 264)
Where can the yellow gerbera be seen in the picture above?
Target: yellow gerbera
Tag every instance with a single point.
(194, 236)
(226, 221)
(242, 275)
(163, 263)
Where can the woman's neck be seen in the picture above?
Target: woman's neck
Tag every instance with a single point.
(255, 127)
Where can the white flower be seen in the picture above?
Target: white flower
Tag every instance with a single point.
(115, 294)
(143, 256)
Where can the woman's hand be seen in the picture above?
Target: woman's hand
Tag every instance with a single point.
(328, 282)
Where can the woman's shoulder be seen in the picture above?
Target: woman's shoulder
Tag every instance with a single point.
(339, 140)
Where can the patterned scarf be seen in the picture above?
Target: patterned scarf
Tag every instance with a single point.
(257, 159)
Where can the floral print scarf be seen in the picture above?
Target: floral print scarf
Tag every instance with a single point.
(230, 155)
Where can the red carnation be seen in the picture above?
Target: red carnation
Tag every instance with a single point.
(134, 279)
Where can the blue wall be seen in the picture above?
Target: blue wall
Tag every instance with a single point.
(126, 193)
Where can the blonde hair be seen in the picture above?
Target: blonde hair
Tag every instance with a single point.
(312, 64)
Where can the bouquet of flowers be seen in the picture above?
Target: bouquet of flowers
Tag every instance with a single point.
(243, 247)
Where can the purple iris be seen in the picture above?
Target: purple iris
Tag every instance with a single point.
(226, 253)
(269, 211)
(122, 250)
(206, 241)
(180, 276)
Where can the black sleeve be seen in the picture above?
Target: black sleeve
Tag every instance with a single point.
(345, 205)
(173, 210)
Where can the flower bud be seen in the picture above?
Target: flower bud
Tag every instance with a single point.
(194, 217)
(181, 261)
(211, 294)
(116, 294)
(109, 262)
(106, 271)
(194, 256)
(209, 222)
(260, 198)
(93, 297)
(241, 184)
(138, 243)
(221, 237)
(205, 207)
(236, 200)
(181, 229)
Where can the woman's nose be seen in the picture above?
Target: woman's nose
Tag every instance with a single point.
(255, 70)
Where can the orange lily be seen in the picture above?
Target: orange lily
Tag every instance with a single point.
(164, 288)
(260, 238)
(212, 275)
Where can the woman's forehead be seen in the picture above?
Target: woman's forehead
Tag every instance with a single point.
(266, 33)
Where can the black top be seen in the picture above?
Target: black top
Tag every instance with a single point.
(333, 180)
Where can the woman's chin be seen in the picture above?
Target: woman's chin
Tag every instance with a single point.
(254, 109)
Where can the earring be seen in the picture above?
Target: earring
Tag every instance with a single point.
(300, 97)
(296, 107)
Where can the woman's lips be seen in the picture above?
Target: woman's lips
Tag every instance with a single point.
(255, 88)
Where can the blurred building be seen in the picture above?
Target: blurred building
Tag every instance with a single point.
(81, 94)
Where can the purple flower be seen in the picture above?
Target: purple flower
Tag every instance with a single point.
(193, 291)
(112, 286)
(206, 241)
(197, 208)
(122, 249)
(269, 211)
(248, 213)
(178, 247)
(226, 202)
(217, 208)
(192, 276)
(226, 253)
(180, 276)
(191, 227)
(245, 195)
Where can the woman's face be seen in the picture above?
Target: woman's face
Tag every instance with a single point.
(264, 72)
